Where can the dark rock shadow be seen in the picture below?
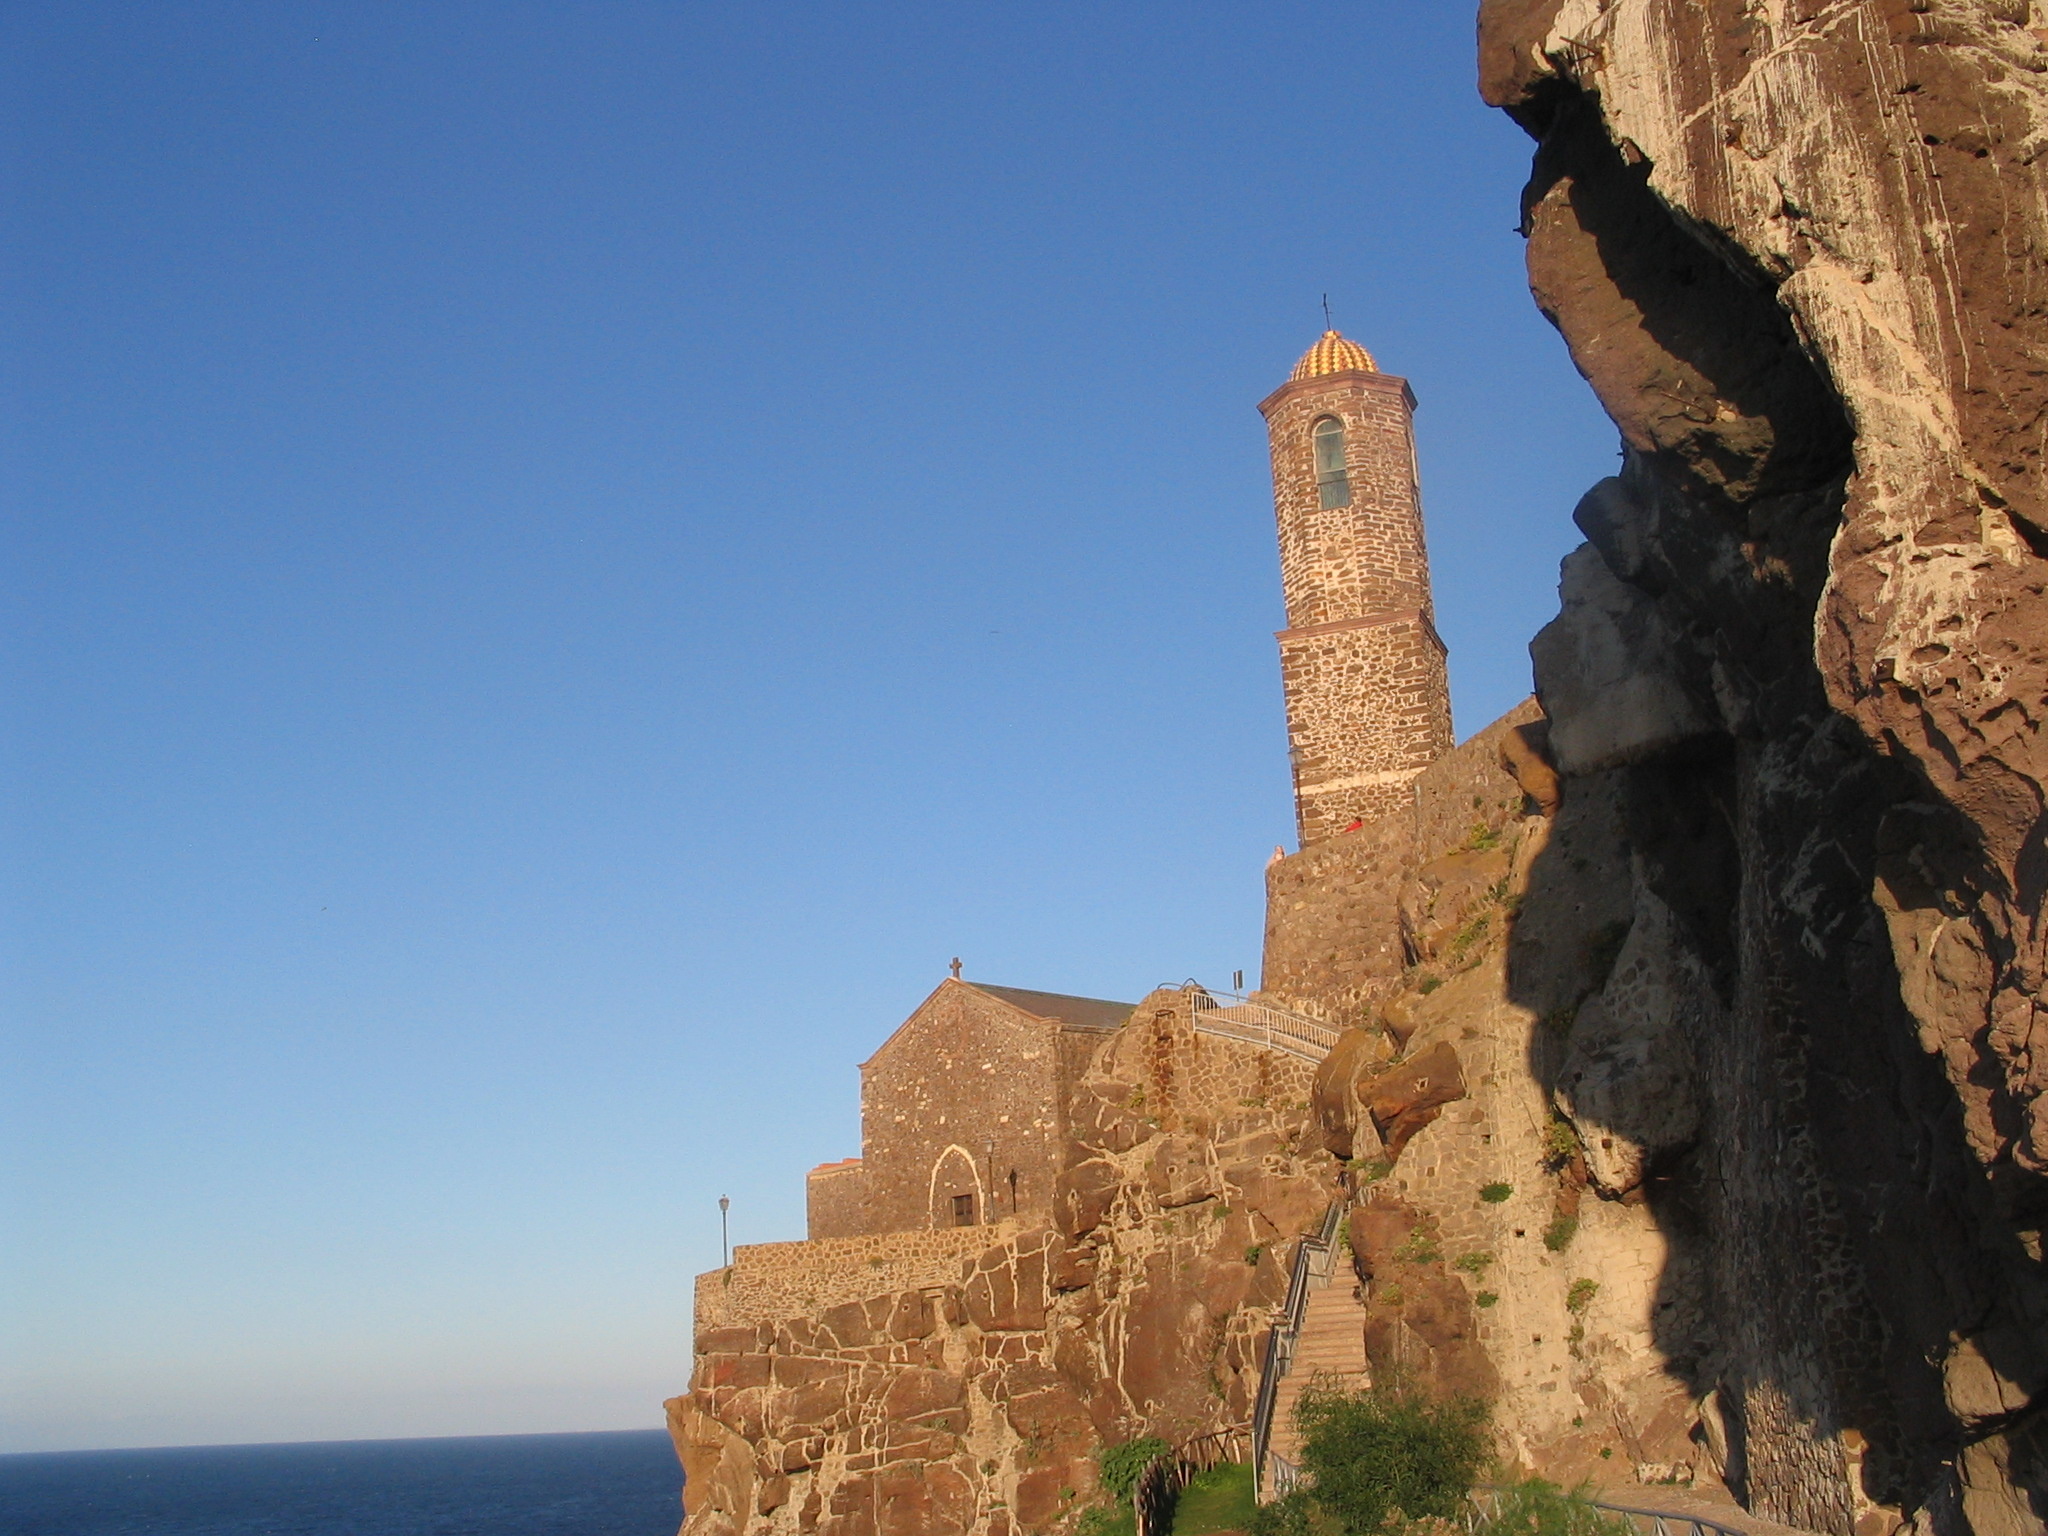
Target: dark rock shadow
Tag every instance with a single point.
(1833, 1236)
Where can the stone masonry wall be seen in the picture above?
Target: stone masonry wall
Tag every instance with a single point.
(1368, 704)
(770, 1281)
(1344, 563)
(1367, 710)
(965, 1092)
(835, 1200)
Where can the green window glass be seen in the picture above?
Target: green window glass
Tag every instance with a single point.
(1333, 482)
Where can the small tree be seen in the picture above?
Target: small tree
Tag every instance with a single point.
(1366, 1455)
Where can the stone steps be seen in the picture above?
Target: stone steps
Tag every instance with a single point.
(1332, 1343)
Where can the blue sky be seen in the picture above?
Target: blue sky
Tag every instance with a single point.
(563, 559)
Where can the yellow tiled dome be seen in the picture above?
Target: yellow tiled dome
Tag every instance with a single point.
(1333, 354)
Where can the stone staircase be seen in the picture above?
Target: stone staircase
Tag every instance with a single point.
(1331, 1345)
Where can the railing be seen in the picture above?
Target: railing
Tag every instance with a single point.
(1310, 1268)
(1485, 1501)
(1216, 1448)
(1160, 1485)
(1277, 1029)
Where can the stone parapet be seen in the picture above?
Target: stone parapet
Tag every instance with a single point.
(768, 1282)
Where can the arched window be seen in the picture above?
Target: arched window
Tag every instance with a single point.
(956, 1193)
(1333, 484)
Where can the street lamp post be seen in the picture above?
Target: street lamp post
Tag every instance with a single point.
(724, 1240)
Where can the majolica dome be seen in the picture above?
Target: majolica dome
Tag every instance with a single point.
(1333, 354)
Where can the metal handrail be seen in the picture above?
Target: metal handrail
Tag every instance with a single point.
(1286, 1476)
(1309, 1266)
(1647, 1522)
(1235, 1017)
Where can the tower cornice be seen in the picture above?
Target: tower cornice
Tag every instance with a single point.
(1322, 382)
(1368, 621)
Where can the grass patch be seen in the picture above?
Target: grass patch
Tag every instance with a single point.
(1107, 1520)
(1494, 1194)
(1559, 1234)
(1481, 838)
(1219, 1499)
(1467, 938)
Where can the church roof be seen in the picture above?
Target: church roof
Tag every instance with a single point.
(1333, 354)
(1088, 1012)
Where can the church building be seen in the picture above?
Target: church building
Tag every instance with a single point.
(964, 1109)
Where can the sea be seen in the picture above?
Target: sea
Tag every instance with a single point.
(625, 1483)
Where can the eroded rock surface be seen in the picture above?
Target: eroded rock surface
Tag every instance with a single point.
(1797, 249)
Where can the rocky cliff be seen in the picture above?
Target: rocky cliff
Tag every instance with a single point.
(1796, 247)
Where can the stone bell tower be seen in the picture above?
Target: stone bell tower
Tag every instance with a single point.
(1368, 707)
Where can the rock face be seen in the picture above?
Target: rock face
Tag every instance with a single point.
(1797, 248)
(1501, 1249)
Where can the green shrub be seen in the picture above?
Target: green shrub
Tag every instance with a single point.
(1559, 1234)
(1485, 1299)
(1429, 984)
(1293, 1514)
(1371, 1169)
(1493, 1194)
(1581, 1295)
(1367, 1454)
(1118, 1466)
(1253, 1254)
(1419, 1248)
(1474, 1264)
(1560, 1141)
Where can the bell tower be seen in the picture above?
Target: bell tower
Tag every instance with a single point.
(1368, 707)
